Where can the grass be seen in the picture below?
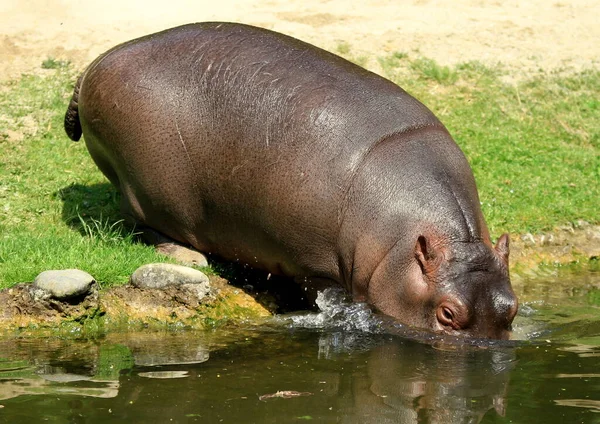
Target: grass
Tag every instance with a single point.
(52, 63)
(534, 146)
(56, 210)
(343, 48)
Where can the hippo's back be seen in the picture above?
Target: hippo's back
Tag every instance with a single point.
(237, 139)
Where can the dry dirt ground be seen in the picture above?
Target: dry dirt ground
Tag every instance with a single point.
(525, 35)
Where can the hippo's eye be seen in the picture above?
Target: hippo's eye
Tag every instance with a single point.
(447, 314)
(452, 314)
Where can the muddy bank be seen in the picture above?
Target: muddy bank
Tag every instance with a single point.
(576, 244)
(128, 308)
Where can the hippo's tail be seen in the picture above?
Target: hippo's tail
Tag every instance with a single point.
(72, 124)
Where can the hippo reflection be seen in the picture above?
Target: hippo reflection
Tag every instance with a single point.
(414, 383)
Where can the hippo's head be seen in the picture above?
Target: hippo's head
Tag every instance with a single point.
(457, 288)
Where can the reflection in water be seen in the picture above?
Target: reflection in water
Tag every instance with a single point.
(151, 351)
(57, 374)
(46, 379)
(14, 388)
(348, 377)
(580, 403)
(585, 351)
(415, 383)
(343, 365)
(90, 369)
(164, 374)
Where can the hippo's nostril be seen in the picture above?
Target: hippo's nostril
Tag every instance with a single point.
(506, 306)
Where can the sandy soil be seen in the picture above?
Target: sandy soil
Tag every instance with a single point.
(524, 35)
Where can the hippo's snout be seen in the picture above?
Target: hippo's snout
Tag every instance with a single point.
(455, 318)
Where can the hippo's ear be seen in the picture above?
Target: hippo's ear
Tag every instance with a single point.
(503, 247)
(426, 255)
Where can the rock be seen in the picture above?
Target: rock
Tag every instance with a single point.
(567, 228)
(581, 224)
(157, 276)
(64, 284)
(197, 290)
(184, 255)
(528, 239)
(547, 240)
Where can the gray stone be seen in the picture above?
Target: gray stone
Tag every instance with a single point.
(567, 228)
(199, 291)
(65, 283)
(528, 239)
(183, 255)
(157, 276)
(547, 239)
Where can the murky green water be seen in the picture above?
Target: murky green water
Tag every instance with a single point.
(340, 371)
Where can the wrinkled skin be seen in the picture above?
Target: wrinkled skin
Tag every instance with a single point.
(262, 149)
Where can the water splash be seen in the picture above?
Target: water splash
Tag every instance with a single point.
(348, 326)
(338, 312)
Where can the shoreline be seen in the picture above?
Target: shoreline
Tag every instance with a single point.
(569, 249)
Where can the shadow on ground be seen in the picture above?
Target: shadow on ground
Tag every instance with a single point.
(94, 209)
(91, 203)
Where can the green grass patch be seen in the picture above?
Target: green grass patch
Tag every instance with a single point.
(52, 63)
(431, 70)
(534, 147)
(56, 209)
(344, 49)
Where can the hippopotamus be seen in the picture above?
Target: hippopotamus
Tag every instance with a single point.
(256, 147)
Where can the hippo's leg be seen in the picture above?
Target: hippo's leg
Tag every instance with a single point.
(167, 246)
(163, 244)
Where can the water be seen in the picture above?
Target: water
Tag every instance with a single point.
(343, 365)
